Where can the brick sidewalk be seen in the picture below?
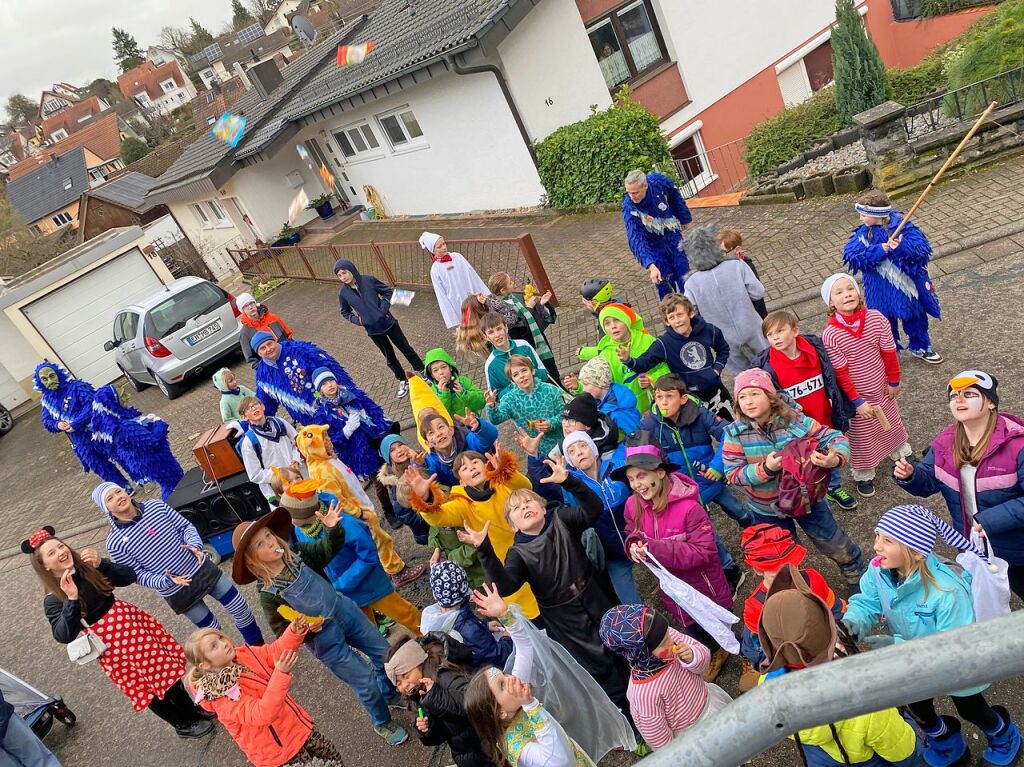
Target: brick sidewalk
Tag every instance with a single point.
(794, 246)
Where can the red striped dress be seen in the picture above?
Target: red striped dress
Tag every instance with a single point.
(863, 352)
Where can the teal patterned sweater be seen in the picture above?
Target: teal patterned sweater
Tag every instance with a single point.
(543, 403)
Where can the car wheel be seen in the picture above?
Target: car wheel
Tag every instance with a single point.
(212, 553)
(169, 390)
(6, 420)
(133, 382)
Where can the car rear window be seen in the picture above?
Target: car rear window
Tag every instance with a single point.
(172, 314)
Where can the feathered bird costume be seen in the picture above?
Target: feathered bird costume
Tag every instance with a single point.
(654, 231)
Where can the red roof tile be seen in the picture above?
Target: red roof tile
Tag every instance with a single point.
(102, 138)
(147, 77)
(69, 118)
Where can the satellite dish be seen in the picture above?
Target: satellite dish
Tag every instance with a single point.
(303, 30)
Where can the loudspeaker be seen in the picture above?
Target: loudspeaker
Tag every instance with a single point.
(213, 511)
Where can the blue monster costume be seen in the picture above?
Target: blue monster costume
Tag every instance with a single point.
(289, 382)
(71, 402)
(138, 443)
(895, 283)
(654, 231)
(353, 440)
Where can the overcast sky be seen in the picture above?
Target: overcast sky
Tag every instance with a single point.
(48, 41)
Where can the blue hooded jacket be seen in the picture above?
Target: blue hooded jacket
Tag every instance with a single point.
(368, 304)
(619, 404)
(698, 358)
(482, 441)
(688, 440)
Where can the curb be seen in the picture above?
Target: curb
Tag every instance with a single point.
(939, 254)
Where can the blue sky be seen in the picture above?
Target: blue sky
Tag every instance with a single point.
(47, 41)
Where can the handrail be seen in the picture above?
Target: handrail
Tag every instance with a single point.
(867, 682)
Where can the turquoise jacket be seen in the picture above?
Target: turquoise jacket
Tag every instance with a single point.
(910, 610)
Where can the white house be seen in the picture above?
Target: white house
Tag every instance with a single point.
(442, 115)
(280, 18)
(161, 88)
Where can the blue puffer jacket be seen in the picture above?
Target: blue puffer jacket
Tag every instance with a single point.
(355, 570)
(611, 525)
(912, 610)
(688, 440)
(368, 304)
(619, 404)
(482, 441)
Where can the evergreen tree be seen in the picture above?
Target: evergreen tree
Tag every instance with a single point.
(201, 36)
(857, 67)
(21, 110)
(133, 149)
(127, 53)
(240, 16)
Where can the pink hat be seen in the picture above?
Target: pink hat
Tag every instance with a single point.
(754, 378)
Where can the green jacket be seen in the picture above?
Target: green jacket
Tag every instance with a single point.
(462, 554)
(316, 554)
(471, 397)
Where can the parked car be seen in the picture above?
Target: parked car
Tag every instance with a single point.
(175, 334)
(6, 420)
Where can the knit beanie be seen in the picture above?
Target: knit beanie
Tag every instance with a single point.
(449, 583)
(596, 372)
(258, 338)
(754, 378)
(409, 656)
(99, 495)
(620, 312)
(917, 528)
(243, 299)
(302, 508)
(320, 375)
(387, 443)
(582, 408)
(572, 439)
(826, 286)
(978, 379)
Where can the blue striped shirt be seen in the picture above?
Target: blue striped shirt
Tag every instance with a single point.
(152, 545)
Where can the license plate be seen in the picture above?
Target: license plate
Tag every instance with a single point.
(204, 333)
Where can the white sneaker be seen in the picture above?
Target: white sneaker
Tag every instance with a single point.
(403, 389)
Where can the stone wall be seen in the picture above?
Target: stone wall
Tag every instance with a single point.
(901, 166)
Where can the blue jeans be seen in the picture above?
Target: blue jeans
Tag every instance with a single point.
(621, 573)
(734, 508)
(916, 328)
(21, 747)
(827, 536)
(835, 479)
(750, 647)
(728, 563)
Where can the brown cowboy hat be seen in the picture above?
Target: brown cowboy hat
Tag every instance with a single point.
(280, 523)
(796, 626)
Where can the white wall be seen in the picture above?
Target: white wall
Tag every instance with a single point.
(18, 360)
(549, 57)
(266, 194)
(720, 45)
(474, 157)
(209, 243)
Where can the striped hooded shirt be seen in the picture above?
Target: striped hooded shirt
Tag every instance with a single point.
(152, 545)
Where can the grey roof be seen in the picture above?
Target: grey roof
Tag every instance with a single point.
(41, 191)
(406, 34)
(261, 46)
(206, 152)
(128, 191)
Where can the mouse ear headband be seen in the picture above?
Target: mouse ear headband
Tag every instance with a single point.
(34, 541)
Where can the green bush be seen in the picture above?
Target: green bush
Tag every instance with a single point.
(992, 45)
(907, 86)
(132, 149)
(780, 138)
(584, 163)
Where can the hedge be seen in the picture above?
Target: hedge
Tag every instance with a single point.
(780, 138)
(583, 163)
(992, 45)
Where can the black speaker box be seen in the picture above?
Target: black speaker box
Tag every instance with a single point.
(216, 510)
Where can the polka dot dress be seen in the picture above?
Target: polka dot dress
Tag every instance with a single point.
(141, 658)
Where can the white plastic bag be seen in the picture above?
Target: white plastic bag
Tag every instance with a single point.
(990, 583)
(709, 615)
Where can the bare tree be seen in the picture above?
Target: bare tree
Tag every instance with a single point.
(22, 249)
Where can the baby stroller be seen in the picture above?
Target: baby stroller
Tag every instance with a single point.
(36, 708)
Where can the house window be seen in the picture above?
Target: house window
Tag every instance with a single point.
(691, 161)
(201, 216)
(211, 120)
(627, 43)
(67, 183)
(59, 134)
(209, 98)
(401, 128)
(96, 174)
(61, 218)
(218, 213)
(357, 139)
(818, 64)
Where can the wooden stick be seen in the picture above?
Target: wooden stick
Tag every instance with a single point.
(942, 170)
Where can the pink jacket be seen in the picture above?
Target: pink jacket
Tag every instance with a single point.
(682, 539)
(264, 721)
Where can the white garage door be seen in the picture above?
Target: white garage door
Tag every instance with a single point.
(76, 318)
(11, 393)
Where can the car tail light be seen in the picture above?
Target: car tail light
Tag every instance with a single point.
(156, 348)
(234, 306)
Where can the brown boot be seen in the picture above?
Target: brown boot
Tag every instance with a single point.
(718, 659)
(748, 676)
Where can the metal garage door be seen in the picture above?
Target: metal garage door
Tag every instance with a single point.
(76, 319)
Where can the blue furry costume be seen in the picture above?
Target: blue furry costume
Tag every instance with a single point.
(654, 231)
(355, 450)
(138, 443)
(71, 402)
(896, 283)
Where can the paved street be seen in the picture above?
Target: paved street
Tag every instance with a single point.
(794, 247)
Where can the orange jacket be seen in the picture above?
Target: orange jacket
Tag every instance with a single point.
(264, 321)
(265, 722)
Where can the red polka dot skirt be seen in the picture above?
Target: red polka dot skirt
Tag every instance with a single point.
(142, 658)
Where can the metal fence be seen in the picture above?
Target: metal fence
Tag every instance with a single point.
(402, 264)
(871, 681)
(712, 171)
(947, 108)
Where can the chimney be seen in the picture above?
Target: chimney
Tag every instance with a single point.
(265, 77)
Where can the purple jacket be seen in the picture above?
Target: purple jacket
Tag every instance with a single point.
(999, 485)
(682, 539)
